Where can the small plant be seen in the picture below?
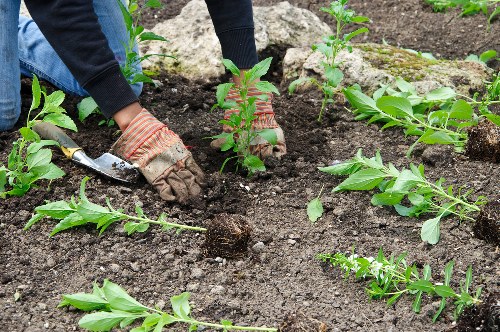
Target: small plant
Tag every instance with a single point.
(330, 48)
(79, 212)
(242, 136)
(393, 277)
(29, 160)
(406, 187)
(436, 118)
(489, 8)
(483, 58)
(137, 35)
(113, 307)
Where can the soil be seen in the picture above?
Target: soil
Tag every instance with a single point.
(278, 281)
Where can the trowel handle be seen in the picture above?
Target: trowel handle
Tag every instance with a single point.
(49, 131)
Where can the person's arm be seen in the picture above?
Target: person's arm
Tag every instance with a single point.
(233, 22)
(73, 30)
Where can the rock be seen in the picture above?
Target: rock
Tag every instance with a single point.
(196, 47)
(51, 262)
(192, 287)
(197, 273)
(258, 247)
(438, 154)
(42, 306)
(114, 267)
(371, 65)
(135, 267)
(218, 289)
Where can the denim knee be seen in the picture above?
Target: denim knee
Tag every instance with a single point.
(10, 104)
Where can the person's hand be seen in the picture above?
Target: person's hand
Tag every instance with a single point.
(265, 120)
(161, 157)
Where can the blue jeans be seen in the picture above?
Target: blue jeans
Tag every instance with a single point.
(31, 54)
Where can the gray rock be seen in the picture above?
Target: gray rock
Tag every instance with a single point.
(218, 289)
(194, 43)
(259, 247)
(114, 267)
(192, 287)
(197, 273)
(51, 262)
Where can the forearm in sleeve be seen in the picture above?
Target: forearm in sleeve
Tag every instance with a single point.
(73, 30)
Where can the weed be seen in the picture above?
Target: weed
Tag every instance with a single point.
(330, 48)
(393, 277)
(28, 160)
(489, 8)
(411, 184)
(242, 137)
(113, 307)
(484, 57)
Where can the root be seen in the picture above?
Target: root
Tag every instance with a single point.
(227, 236)
(298, 322)
(484, 142)
(487, 224)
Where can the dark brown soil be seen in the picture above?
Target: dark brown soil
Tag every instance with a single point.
(279, 276)
(487, 225)
(484, 142)
(485, 317)
(299, 322)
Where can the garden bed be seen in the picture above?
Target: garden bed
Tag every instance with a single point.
(280, 276)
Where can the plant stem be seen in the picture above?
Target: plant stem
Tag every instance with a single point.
(163, 223)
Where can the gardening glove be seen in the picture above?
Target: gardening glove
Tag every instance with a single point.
(265, 120)
(161, 157)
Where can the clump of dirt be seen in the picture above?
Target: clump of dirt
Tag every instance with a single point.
(298, 322)
(484, 142)
(485, 317)
(487, 225)
(227, 236)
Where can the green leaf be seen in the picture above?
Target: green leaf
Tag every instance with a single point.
(314, 209)
(359, 100)
(93, 212)
(119, 299)
(129, 20)
(48, 172)
(395, 106)
(387, 198)
(468, 279)
(493, 118)
(56, 210)
(417, 303)
(296, 83)
(461, 110)
(495, 13)
(222, 91)
(345, 168)
(360, 19)
(35, 147)
(269, 135)
(3, 178)
(437, 137)
(29, 135)
(132, 227)
(265, 86)
(40, 158)
(86, 107)
(443, 93)
(180, 305)
(442, 305)
(70, 221)
(353, 34)
(365, 179)
(84, 301)
(33, 220)
(37, 93)
(151, 36)
(489, 54)
(61, 120)
(394, 298)
(56, 98)
(153, 4)
(430, 230)
(253, 163)
(421, 285)
(444, 291)
(103, 321)
(231, 67)
(334, 76)
(259, 70)
(405, 182)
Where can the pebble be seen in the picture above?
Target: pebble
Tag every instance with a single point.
(259, 247)
(192, 287)
(160, 304)
(218, 259)
(114, 267)
(197, 273)
(51, 262)
(218, 289)
(42, 306)
(135, 267)
(291, 241)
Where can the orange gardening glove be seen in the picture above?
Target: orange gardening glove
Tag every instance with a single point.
(161, 157)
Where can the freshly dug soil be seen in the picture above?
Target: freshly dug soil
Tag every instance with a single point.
(485, 317)
(279, 274)
(484, 142)
(487, 225)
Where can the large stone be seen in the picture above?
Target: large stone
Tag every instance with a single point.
(197, 50)
(371, 65)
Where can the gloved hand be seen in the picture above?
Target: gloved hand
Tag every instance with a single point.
(265, 120)
(161, 157)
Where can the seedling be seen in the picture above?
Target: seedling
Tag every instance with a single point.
(435, 118)
(112, 307)
(489, 8)
(242, 137)
(408, 186)
(28, 160)
(393, 277)
(483, 58)
(229, 238)
(130, 69)
(330, 48)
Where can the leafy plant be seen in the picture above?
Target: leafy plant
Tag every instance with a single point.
(483, 58)
(489, 8)
(330, 48)
(79, 212)
(393, 277)
(406, 187)
(137, 35)
(435, 118)
(242, 136)
(113, 307)
(29, 160)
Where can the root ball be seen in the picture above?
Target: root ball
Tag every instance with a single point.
(227, 236)
(484, 142)
(487, 225)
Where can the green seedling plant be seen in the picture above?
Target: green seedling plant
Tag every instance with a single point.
(408, 191)
(242, 136)
(484, 57)
(112, 307)
(330, 48)
(130, 67)
(392, 278)
(438, 117)
(29, 160)
(80, 212)
(490, 8)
